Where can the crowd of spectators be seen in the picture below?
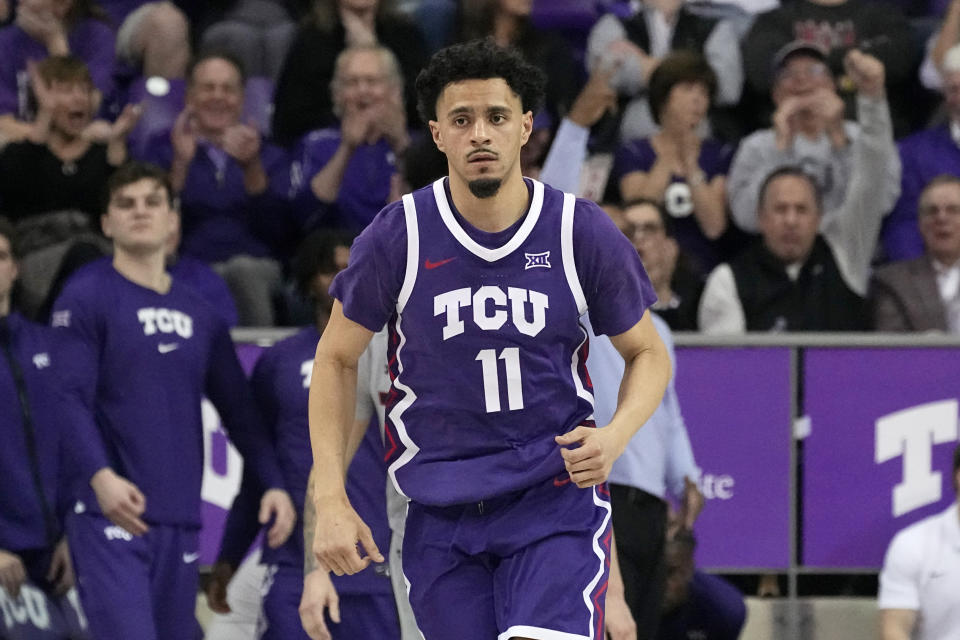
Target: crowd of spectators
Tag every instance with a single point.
(279, 117)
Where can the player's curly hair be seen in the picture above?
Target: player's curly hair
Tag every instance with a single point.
(478, 60)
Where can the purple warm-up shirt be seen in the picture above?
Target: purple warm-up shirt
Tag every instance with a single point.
(141, 364)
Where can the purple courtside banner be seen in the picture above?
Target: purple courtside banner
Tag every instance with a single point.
(878, 457)
(736, 404)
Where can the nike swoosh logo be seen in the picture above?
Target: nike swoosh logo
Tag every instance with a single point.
(559, 482)
(189, 558)
(433, 265)
(167, 347)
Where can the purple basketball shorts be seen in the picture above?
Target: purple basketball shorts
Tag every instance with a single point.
(530, 564)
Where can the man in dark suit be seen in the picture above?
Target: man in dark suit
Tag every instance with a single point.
(923, 294)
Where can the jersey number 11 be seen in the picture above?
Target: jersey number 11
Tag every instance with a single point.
(491, 378)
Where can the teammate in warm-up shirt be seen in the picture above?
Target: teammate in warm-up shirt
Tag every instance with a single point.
(482, 279)
(35, 569)
(147, 350)
(281, 383)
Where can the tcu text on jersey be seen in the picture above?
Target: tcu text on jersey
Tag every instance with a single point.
(490, 309)
(165, 321)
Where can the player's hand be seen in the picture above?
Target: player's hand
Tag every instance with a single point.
(12, 573)
(120, 500)
(619, 623)
(220, 576)
(276, 504)
(590, 463)
(339, 530)
(60, 573)
(319, 595)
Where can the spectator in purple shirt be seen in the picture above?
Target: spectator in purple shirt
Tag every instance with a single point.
(50, 28)
(232, 187)
(347, 171)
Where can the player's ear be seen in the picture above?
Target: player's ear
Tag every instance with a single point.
(435, 134)
(526, 124)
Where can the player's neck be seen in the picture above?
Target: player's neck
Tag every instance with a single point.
(497, 212)
(4, 306)
(146, 269)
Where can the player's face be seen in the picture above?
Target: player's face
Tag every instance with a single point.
(939, 220)
(801, 75)
(215, 95)
(8, 270)
(363, 82)
(789, 218)
(139, 218)
(74, 107)
(686, 105)
(481, 127)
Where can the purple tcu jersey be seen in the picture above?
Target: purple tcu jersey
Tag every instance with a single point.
(487, 353)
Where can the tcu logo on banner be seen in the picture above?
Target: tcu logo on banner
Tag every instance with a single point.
(911, 434)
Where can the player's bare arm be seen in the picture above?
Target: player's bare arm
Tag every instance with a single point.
(332, 400)
(319, 594)
(645, 377)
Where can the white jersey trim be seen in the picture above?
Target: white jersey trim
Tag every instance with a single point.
(605, 504)
(539, 633)
(411, 448)
(413, 251)
(574, 371)
(490, 255)
(409, 278)
(566, 249)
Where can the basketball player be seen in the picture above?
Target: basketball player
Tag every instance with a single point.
(482, 279)
(147, 349)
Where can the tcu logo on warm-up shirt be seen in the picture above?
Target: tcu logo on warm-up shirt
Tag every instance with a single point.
(165, 321)
(490, 309)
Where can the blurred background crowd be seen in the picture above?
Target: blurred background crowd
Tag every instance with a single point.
(779, 166)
